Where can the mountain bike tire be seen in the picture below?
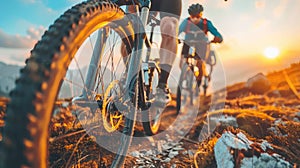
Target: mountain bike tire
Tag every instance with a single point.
(152, 116)
(25, 136)
(189, 87)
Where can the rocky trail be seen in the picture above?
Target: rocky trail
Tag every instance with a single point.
(248, 131)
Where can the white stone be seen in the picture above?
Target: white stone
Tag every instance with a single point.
(230, 141)
(264, 145)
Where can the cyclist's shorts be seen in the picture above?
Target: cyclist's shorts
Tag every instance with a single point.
(167, 7)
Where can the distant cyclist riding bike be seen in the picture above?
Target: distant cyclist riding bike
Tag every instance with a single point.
(196, 53)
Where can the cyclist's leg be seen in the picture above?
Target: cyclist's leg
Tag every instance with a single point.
(168, 46)
(169, 31)
(167, 53)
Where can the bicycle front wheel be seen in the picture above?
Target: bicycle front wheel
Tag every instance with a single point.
(54, 73)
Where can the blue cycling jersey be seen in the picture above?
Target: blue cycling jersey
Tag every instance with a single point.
(187, 26)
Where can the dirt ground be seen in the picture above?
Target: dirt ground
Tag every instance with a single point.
(186, 139)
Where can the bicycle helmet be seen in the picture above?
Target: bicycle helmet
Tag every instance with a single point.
(195, 9)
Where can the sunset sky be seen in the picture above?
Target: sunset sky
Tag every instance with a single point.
(248, 28)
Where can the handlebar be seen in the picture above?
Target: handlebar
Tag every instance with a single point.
(211, 60)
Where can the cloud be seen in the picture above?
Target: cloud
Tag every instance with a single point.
(35, 33)
(18, 41)
(15, 41)
(16, 56)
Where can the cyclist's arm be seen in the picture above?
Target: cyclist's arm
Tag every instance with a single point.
(217, 36)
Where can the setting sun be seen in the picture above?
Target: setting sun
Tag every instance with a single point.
(271, 52)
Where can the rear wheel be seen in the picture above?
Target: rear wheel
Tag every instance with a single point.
(187, 89)
(55, 73)
(151, 118)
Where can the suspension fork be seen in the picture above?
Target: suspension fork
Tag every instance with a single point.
(87, 92)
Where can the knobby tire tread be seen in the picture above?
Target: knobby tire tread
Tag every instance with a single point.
(28, 115)
(182, 76)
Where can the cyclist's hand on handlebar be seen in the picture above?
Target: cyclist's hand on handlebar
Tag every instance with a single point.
(216, 40)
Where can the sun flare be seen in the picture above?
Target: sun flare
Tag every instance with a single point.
(271, 52)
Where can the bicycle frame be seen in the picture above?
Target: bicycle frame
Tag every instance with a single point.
(135, 69)
(138, 70)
